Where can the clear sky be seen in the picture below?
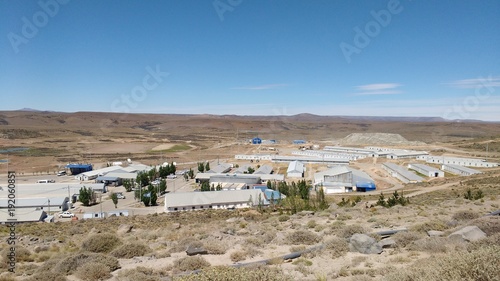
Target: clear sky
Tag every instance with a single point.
(253, 57)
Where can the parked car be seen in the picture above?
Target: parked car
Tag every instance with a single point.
(61, 173)
(46, 181)
(66, 215)
(120, 196)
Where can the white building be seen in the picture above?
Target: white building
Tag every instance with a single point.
(401, 173)
(231, 199)
(295, 170)
(91, 175)
(426, 170)
(253, 157)
(468, 162)
(221, 168)
(459, 170)
(342, 179)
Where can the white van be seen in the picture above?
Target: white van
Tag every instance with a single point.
(46, 181)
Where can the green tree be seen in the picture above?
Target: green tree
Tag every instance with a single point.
(146, 198)
(114, 198)
(201, 167)
(205, 186)
(128, 185)
(86, 196)
(153, 198)
(251, 170)
(163, 186)
(142, 179)
(269, 185)
(321, 199)
(191, 173)
(207, 166)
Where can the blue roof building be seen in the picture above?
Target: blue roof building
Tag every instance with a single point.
(79, 168)
(256, 141)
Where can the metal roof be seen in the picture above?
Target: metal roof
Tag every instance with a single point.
(403, 172)
(295, 167)
(24, 215)
(35, 202)
(186, 199)
(221, 168)
(463, 169)
(264, 169)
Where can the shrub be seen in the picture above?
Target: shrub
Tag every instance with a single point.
(224, 273)
(215, 247)
(302, 237)
(100, 243)
(349, 230)
(130, 250)
(337, 247)
(283, 218)
(429, 225)
(311, 224)
(480, 264)
(191, 263)
(70, 263)
(405, 238)
(238, 256)
(430, 245)
(139, 273)
(465, 216)
(93, 271)
(47, 275)
(490, 225)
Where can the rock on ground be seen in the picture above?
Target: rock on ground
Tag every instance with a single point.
(468, 233)
(364, 244)
(124, 228)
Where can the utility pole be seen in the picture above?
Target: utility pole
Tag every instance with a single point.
(49, 206)
(101, 205)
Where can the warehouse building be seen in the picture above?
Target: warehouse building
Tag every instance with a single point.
(24, 215)
(51, 204)
(401, 173)
(92, 175)
(264, 170)
(253, 157)
(467, 162)
(310, 159)
(79, 168)
(231, 199)
(295, 170)
(329, 154)
(221, 168)
(342, 179)
(460, 170)
(426, 170)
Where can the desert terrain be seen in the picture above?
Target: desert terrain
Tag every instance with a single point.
(249, 244)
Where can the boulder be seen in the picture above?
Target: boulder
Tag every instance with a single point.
(193, 251)
(364, 244)
(387, 243)
(124, 228)
(468, 233)
(435, 233)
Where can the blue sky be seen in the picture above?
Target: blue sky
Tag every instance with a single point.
(253, 57)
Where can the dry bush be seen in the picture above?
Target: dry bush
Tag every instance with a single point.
(223, 273)
(7, 277)
(47, 275)
(336, 247)
(139, 273)
(430, 245)
(311, 224)
(302, 237)
(480, 264)
(215, 247)
(238, 256)
(130, 250)
(465, 215)
(429, 225)
(42, 248)
(405, 238)
(489, 225)
(22, 254)
(191, 263)
(283, 218)
(93, 271)
(70, 263)
(349, 230)
(100, 243)
(490, 240)
(183, 244)
(254, 241)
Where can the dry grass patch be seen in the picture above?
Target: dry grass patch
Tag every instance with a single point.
(93, 271)
(100, 243)
(223, 273)
(191, 263)
(480, 264)
(405, 238)
(465, 215)
(139, 273)
(336, 247)
(302, 237)
(130, 250)
(68, 264)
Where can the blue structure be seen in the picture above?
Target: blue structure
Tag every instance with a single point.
(365, 186)
(299, 141)
(256, 141)
(79, 168)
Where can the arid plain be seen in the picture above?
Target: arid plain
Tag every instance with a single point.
(152, 247)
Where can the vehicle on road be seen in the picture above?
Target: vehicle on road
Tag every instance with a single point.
(46, 181)
(66, 215)
(120, 196)
(61, 173)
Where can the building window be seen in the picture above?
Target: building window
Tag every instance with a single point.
(175, 209)
(201, 207)
(192, 207)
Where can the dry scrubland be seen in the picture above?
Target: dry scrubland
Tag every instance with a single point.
(153, 247)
